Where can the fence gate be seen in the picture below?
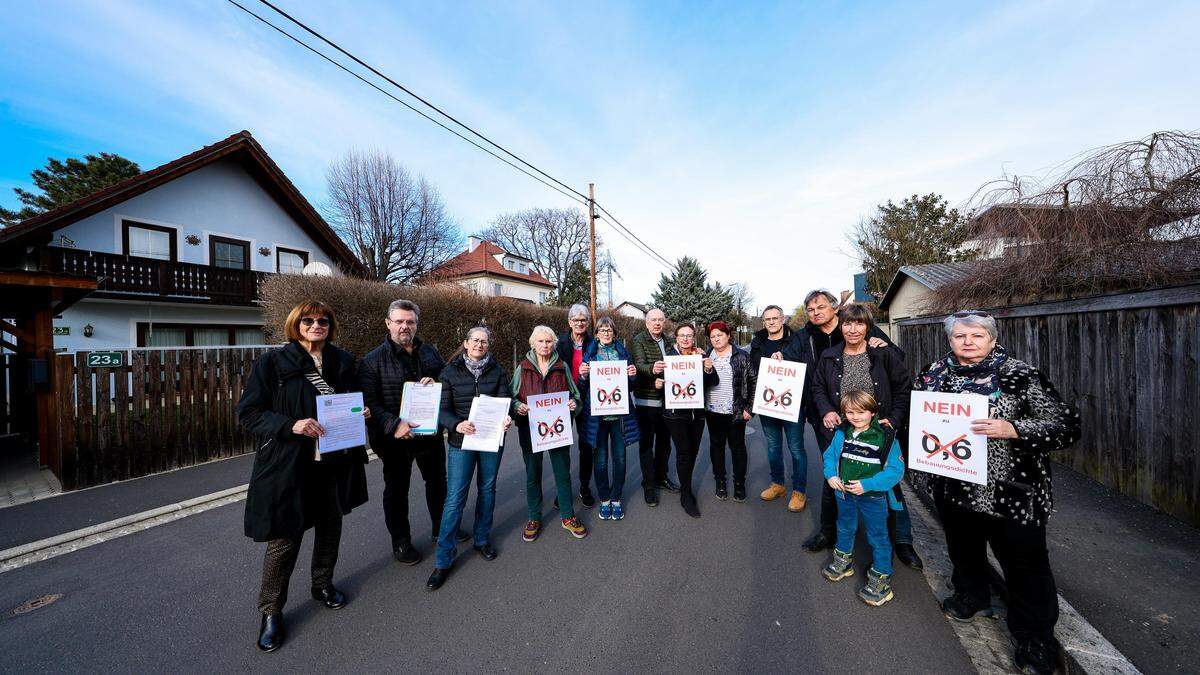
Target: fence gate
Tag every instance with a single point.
(129, 413)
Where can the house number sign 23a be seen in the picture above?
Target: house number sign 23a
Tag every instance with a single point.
(105, 359)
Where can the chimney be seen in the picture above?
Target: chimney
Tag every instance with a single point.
(473, 243)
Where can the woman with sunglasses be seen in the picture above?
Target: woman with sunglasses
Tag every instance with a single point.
(294, 487)
(727, 409)
(686, 426)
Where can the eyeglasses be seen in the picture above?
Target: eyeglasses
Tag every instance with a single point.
(578, 319)
(477, 341)
(971, 312)
(309, 321)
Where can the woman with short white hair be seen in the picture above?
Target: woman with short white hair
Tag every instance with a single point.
(1026, 421)
(542, 372)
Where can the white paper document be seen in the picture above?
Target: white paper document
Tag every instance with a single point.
(549, 420)
(940, 439)
(487, 414)
(419, 406)
(342, 417)
(684, 384)
(609, 387)
(779, 390)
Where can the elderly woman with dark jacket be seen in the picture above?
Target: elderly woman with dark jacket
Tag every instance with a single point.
(881, 371)
(727, 408)
(1027, 421)
(473, 372)
(293, 487)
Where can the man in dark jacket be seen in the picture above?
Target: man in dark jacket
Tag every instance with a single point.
(403, 358)
(571, 346)
(774, 338)
(649, 349)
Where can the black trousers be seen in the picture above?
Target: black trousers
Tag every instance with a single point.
(1024, 561)
(724, 429)
(585, 468)
(398, 457)
(654, 448)
(281, 555)
(686, 434)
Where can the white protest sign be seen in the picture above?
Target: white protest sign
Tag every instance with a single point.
(610, 387)
(419, 407)
(779, 390)
(683, 385)
(940, 439)
(549, 420)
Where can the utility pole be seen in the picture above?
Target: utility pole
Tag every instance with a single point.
(592, 238)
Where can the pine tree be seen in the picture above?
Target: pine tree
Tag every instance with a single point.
(686, 295)
(64, 182)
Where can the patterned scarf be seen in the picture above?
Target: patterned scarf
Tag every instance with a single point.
(476, 367)
(979, 378)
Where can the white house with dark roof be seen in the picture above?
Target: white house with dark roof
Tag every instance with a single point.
(178, 251)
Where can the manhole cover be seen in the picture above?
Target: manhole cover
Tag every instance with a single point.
(35, 603)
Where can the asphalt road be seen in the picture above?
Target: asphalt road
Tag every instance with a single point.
(656, 592)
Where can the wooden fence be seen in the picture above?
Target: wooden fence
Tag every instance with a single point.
(164, 409)
(1129, 364)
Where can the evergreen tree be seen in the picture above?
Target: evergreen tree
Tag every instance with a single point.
(577, 286)
(686, 295)
(64, 182)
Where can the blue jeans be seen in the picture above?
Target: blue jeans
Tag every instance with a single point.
(460, 464)
(610, 439)
(874, 512)
(775, 430)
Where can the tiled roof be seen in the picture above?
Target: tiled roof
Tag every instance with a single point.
(240, 146)
(482, 261)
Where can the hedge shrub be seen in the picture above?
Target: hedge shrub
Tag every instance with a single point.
(447, 312)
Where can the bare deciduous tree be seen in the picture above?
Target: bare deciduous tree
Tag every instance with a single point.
(552, 238)
(396, 224)
(1122, 216)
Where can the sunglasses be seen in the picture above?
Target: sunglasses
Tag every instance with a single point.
(309, 321)
(971, 312)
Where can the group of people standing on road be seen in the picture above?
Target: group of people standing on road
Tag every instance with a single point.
(855, 398)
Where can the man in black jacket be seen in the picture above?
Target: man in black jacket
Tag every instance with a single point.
(403, 358)
(571, 346)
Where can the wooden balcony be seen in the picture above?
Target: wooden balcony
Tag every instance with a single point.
(128, 277)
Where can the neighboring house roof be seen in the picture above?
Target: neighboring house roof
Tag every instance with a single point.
(240, 147)
(932, 276)
(482, 261)
(636, 305)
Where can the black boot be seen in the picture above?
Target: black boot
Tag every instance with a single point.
(406, 554)
(270, 632)
(908, 555)
(330, 597)
(739, 491)
(688, 501)
(722, 492)
(818, 542)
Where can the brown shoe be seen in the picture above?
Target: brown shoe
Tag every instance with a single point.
(775, 491)
(575, 527)
(798, 502)
(532, 529)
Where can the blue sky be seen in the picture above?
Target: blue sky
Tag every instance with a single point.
(751, 135)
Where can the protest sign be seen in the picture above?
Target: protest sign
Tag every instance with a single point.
(609, 387)
(549, 420)
(683, 382)
(940, 439)
(780, 389)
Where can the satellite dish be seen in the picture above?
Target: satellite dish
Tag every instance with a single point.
(317, 269)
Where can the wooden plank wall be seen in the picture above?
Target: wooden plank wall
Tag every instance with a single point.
(165, 409)
(1133, 375)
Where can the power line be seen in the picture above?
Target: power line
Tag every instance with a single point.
(555, 184)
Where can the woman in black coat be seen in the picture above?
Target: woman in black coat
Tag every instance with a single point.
(686, 426)
(882, 372)
(292, 487)
(728, 408)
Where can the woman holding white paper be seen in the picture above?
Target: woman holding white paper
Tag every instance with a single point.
(686, 425)
(728, 407)
(542, 372)
(292, 488)
(472, 373)
(609, 435)
(1028, 420)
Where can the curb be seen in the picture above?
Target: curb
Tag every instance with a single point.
(1085, 649)
(179, 509)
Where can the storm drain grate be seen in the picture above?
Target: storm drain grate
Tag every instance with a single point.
(35, 603)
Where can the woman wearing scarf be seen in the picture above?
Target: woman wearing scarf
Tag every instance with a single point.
(686, 426)
(609, 435)
(541, 372)
(474, 372)
(1027, 421)
(292, 486)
